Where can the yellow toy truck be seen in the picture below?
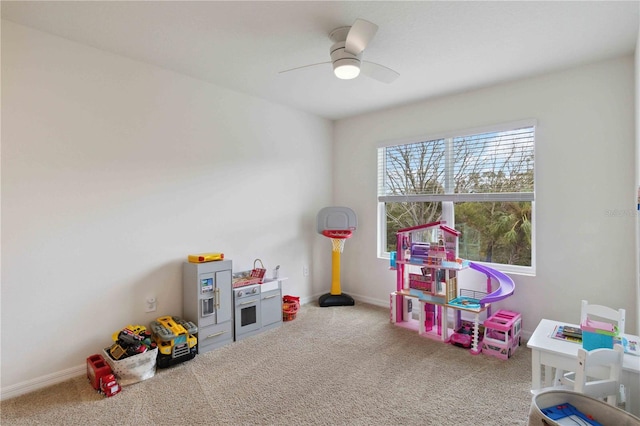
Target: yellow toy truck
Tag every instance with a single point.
(175, 340)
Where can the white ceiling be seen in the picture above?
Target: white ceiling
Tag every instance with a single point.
(438, 47)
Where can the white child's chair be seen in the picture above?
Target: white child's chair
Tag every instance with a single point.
(611, 315)
(597, 374)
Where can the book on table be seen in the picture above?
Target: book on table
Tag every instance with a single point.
(559, 333)
(630, 346)
(572, 331)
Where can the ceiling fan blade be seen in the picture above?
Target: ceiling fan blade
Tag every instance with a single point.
(359, 36)
(378, 72)
(304, 66)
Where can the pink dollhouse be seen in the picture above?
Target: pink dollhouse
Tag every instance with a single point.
(427, 266)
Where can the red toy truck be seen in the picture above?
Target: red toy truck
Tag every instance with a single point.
(109, 385)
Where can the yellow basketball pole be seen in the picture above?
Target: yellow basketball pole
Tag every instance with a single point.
(336, 297)
(335, 272)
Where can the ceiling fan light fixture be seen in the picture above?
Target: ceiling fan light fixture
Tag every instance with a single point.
(346, 54)
(346, 69)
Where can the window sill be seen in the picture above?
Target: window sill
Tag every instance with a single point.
(527, 271)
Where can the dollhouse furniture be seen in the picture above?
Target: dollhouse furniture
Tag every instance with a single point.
(548, 353)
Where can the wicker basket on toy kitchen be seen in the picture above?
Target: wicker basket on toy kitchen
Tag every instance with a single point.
(254, 276)
(290, 307)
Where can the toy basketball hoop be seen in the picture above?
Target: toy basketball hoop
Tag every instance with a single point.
(338, 238)
(337, 224)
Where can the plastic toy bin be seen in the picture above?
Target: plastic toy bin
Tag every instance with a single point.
(591, 341)
(133, 369)
(598, 410)
(596, 335)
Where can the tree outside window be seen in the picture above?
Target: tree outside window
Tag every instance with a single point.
(483, 183)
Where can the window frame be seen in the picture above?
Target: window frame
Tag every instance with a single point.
(448, 206)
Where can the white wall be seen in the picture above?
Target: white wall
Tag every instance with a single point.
(584, 169)
(637, 117)
(113, 171)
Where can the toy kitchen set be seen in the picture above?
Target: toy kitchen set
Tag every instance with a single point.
(227, 306)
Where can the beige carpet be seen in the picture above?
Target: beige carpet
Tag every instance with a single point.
(330, 366)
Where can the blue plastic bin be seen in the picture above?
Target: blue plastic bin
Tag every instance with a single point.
(591, 341)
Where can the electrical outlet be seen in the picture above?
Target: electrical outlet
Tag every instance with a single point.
(152, 304)
(305, 271)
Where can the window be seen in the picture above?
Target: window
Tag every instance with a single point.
(482, 182)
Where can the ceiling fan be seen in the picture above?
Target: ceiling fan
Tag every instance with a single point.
(346, 53)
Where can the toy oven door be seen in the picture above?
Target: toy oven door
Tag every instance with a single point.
(247, 315)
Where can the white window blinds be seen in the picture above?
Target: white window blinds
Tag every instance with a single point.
(488, 166)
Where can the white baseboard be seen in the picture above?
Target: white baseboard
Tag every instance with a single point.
(42, 382)
(371, 301)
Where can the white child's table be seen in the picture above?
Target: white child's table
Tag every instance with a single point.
(551, 353)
